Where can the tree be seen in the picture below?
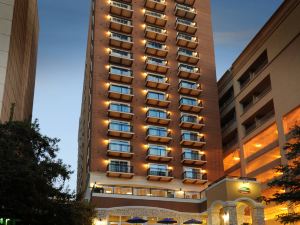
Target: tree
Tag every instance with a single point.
(33, 180)
(289, 181)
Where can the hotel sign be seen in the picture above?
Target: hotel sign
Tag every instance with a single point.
(244, 190)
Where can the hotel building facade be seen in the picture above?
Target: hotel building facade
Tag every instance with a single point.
(259, 101)
(149, 136)
(19, 28)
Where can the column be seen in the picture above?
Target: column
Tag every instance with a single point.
(214, 217)
(258, 216)
(230, 210)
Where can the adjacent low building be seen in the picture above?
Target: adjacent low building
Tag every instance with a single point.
(259, 101)
(19, 28)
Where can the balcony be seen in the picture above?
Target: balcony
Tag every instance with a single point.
(119, 150)
(159, 5)
(158, 154)
(120, 74)
(187, 56)
(188, 71)
(120, 24)
(121, 57)
(186, 2)
(156, 49)
(157, 81)
(186, 26)
(119, 110)
(189, 88)
(159, 175)
(120, 9)
(120, 40)
(155, 18)
(190, 105)
(120, 92)
(191, 122)
(158, 135)
(185, 11)
(157, 99)
(121, 171)
(156, 65)
(158, 117)
(192, 139)
(187, 41)
(193, 158)
(193, 177)
(120, 130)
(155, 33)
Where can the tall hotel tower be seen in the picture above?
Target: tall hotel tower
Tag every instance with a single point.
(149, 138)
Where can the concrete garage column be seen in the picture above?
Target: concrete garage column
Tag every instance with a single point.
(214, 217)
(258, 215)
(230, 213)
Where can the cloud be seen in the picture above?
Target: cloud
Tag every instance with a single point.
(232, 37)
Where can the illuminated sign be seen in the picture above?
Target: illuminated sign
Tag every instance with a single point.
(244, 189)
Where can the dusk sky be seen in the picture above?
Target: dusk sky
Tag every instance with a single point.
(61, 59)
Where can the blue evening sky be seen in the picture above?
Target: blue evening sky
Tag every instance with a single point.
(61, 59)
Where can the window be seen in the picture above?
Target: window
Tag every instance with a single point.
(120, 71)
(121, 37)
(189, 118)
(157, 61)
(158, 169)
(191, 136)
(156, 95)
(120, 89)
(119, 107)
(188, 101)
(157, 131)
(120, 53)
(121, 20)
(153, 44)
(193, 173)
(188, 84)
(157, 113)
(159, 150)
(188, 68)
(119, 145)
(119, 166)
(185, 21)
(191, 154)
(119, 126)
(155, 29)
(185, 51)
(156, 78)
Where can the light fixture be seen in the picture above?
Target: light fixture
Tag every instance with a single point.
(226, 217)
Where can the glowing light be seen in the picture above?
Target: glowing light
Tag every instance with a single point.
(258, 145)
(236, 158)
(226, 217)
(107, 66)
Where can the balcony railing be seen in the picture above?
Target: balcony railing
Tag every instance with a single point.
(147, 192)
(120, 92)
(119, 150)
(156, 33)
(120, 24)
(186, 2)
(159, 117)
(157, 81)
(158, 135)
(121, 9)
(159, 174)
(256, 98)
(120, 74)
(191, 139)
(121, 57)
(158, 154)
(120, 130)
(120, 111)
(193, 158)
(159, 5)
(118, 170)
(156, 65)
(188, 71)
(192, 105)
(155, 18)
(120, 40)
(187, 56)
(194, 177)
(191, 122)
(188, 41)
(258, 122)
(156, 48)
(157, 99)
(189, 88)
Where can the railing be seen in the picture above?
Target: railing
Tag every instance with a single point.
(186, 37)
(159, 172)
(120, 127)
(120, 71)
(121, 5)
(152, 151)
(186, 8)
(188, 68)
(111, 167)
(156, 96)
(192, 137)
(188, 85)
(186, 22)
(182, 51)
(191, 102)
(155, 61)
(120, 20)
(189, 119)
(194, 175)
(157, 79)
(258, 122)
(156, 29)
(120, 108)
(158, 114)
(158, 133)
(155, 14)
(228, 124)
(156, 45)
(148, 192)
(191, 156)
(226, 103)
(122, 54)
(159, 1)
(121, 90)
(119, 147)
(121, 37)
